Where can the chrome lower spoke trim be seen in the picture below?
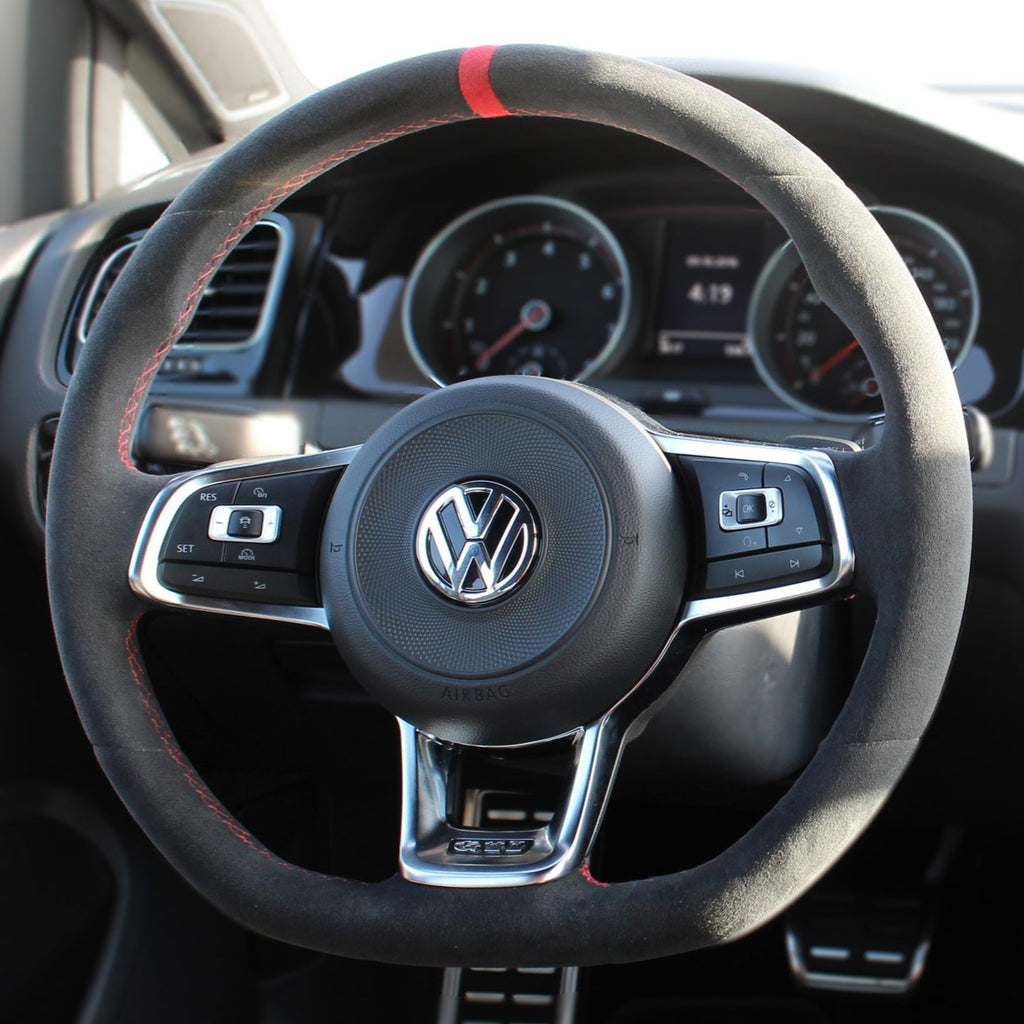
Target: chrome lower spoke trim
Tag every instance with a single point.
(435, 852)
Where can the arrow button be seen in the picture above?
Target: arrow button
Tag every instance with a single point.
(800, 522)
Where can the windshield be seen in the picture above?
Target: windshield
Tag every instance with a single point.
(875, 40)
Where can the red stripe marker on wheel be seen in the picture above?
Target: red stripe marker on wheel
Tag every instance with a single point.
(475, 82)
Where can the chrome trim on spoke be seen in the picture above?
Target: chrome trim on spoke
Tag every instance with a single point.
(143, 570)
(554, 850)
(821, 469)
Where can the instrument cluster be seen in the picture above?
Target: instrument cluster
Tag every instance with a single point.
(544, 286)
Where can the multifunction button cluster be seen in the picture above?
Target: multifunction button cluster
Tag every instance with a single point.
(249, 540)
(761, 525)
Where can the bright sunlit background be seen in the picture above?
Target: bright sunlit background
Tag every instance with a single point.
(877, 44)
(976, 41)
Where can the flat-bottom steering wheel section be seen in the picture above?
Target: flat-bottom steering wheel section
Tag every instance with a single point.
(517, 569)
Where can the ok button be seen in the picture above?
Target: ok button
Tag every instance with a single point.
(751, 508)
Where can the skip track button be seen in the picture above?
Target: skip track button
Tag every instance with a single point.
(756, 570)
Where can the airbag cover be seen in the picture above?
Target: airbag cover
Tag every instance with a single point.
(590, 616)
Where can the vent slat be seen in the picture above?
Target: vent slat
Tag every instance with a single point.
(250, 243)
(230, 266)
(232, 306)
(222, 312)
(213, 337)
(240, 288)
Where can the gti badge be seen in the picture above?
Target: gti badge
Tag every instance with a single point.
(476, 541)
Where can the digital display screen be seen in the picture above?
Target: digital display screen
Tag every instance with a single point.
(708, 275)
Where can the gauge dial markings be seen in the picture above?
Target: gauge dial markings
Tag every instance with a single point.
(510, 271)
(808, 357)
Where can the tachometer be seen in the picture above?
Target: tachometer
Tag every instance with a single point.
(529, 284)
(808, 356)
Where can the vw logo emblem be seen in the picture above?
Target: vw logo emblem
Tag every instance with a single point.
(476, 541)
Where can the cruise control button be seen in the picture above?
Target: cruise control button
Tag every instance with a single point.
(188, 539)
(189, 579)
(245, 522)
(220, 581)
(794, 565)
(800, 523)
(301, 499)
(255, 524)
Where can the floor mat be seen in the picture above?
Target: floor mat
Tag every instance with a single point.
(719, 1011)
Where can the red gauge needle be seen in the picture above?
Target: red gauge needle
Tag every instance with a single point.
(833, 360)
(534, 316)
(869, 389)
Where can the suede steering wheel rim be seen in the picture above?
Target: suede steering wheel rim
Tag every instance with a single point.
(913, 564)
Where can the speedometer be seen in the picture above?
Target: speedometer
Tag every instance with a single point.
(808, 356)
(530, 285)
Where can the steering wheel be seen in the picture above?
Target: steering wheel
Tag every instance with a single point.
(513, 563)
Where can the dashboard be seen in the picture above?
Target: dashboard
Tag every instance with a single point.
(562, 249)
(573, 251)
(697, 304)
(543, 247)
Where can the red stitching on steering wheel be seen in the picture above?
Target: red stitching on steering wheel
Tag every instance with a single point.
(160, 725)
(589, 877)
(134, 404)
(178, 757)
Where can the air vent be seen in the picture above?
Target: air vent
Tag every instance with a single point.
(239, 303)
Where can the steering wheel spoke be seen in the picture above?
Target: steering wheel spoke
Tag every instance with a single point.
(488, 817)
(240, 538)
(770, 527)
